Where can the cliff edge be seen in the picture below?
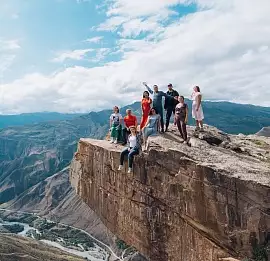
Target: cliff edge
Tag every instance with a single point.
(201, 203)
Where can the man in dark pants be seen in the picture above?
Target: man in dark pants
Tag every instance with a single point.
(170, 104)
(157, 101)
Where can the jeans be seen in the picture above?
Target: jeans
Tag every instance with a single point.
(169, 112)
(159, 111)
(126, 133)
(130, 155)
(182, 127)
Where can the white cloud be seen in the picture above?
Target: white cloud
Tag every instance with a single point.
(96, 39)
(9, 45)
(8, 50)
(224, 48)
(101, 53)
(72, 55)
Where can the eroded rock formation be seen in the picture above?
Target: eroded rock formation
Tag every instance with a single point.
(205, 202)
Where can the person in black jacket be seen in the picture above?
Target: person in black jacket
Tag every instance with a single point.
(170, 104)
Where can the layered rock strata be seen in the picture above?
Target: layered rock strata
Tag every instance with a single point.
(205, 202)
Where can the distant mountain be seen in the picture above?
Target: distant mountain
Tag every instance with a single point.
(236, 118)
(31, 118)
(265, 131)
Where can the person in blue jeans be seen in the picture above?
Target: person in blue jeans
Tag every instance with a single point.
(157, 102)
(133, 149)
(152, 125)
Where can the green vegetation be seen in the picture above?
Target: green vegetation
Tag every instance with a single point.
(121, 244)
(14, 228)
(48, 230)
(260, 143)
(260, 253)
(43, 224)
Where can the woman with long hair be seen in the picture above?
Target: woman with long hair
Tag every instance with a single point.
(197, 111)
(116, 120)
(181, 117)
(152, 126)
(132, 149)
(145, 106)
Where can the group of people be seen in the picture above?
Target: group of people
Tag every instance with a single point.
(152, 120)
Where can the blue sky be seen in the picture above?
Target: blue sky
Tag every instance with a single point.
(58, 54)
(47, 28)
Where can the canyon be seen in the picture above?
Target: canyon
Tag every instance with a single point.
(208, 201)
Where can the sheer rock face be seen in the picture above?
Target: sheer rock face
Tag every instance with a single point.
(205, 202)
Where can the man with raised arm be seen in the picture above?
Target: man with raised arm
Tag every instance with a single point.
(157, 101)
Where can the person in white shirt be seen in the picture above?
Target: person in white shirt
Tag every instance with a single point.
(197, 111)
(116, 120)
(133, 149)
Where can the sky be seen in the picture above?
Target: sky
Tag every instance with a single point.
(88, 55)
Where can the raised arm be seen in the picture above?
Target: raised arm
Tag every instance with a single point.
(148, 88)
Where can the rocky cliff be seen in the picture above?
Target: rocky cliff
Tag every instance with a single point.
(205, 202)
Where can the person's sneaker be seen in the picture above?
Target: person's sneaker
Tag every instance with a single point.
(162, 131)
(185, 142)
(115, 141)
(197, 128)
(120, 167)
(166, 129)
(129, 170)
(112, 141)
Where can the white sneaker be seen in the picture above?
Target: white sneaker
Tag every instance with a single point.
(129, 170)
(111, 141)
(115, 142)
(185, 142)
(120, 167)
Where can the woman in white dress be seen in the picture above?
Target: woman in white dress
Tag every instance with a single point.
(197, 111)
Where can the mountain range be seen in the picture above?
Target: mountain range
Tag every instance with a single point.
(34, 158)
(32, 118)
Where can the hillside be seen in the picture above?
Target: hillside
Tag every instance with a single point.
(32, 118)
(16, 248)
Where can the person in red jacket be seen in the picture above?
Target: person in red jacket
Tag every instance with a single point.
(146, 107)
(129, 120)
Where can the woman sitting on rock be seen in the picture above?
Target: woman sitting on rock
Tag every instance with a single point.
(132, 149)
(152, 126)
(116, 125)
